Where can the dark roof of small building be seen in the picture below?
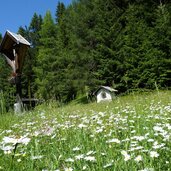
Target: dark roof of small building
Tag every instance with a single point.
(106, 88)
(10, 39)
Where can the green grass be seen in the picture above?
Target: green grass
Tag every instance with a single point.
(131, 133)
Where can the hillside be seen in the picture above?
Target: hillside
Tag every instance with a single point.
(131, 133)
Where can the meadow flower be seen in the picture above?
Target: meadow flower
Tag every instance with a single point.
(168, 126)
(8, 131)
(108, 165)
(157, 146)
(90, 158)
(18, 160)
(154, 154)
(114, 140)
(136, 148)
(138, 158)
(158, 128)
(133, 131)
(138, 138)
(78, 157)
(99, 122)
(84, 167)
(99, 130)
(8, 152)
(82, 126)
(10, 140)
(69, 160)
(147, 169)
(36, 157)
(150, 140)
(76, 149)
(103, 154)
(126, 155)
(90, 152)
(68, 169)
(24, 140)
(7, 148)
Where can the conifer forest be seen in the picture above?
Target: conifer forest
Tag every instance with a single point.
(124, 44)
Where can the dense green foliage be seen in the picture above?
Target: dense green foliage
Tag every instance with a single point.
(123, 44)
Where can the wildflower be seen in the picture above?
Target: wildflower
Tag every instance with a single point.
(150, 140)
(90, 152)
(7, 148)
(69, 160)
(99, 130)
(108, 165)
(103, 154)
(53, 136)
(90, 158)
(84, 167)
(126, 155)
(8, 152)
(78, 157)
(24, 140)
(156, 146)
(48, 131)
(18, 160)
(136, 148)
(147, 169)
(76, 149)
(138, 138)
(133, 131)
(36, 157)
(158, 128)
(68, 169)
(82, 126)
(114, 140)
(154, 154)
(10, 140)
(138, 158)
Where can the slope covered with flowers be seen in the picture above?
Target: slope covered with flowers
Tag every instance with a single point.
(131, 133)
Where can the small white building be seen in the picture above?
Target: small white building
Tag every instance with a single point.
(105, 93)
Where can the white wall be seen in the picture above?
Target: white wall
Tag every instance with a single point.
(100, 96)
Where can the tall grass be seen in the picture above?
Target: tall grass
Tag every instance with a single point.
(2, 103)
(131, 133)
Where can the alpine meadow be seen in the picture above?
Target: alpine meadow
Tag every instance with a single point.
(132, 133)
(121, 44)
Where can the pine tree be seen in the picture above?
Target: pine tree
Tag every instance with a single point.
(59, 12)
(46, 57)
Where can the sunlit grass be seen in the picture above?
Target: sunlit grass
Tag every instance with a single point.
(131, 133)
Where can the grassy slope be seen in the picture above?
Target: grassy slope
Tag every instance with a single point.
(103, 135)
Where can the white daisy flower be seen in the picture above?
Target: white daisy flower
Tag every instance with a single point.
(154, 154)
(68, 169)
(126, 155)
(138, 158)
(90, 158)
(114, 140)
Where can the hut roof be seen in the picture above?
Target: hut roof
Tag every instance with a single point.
(9, 41)
(106, 88)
